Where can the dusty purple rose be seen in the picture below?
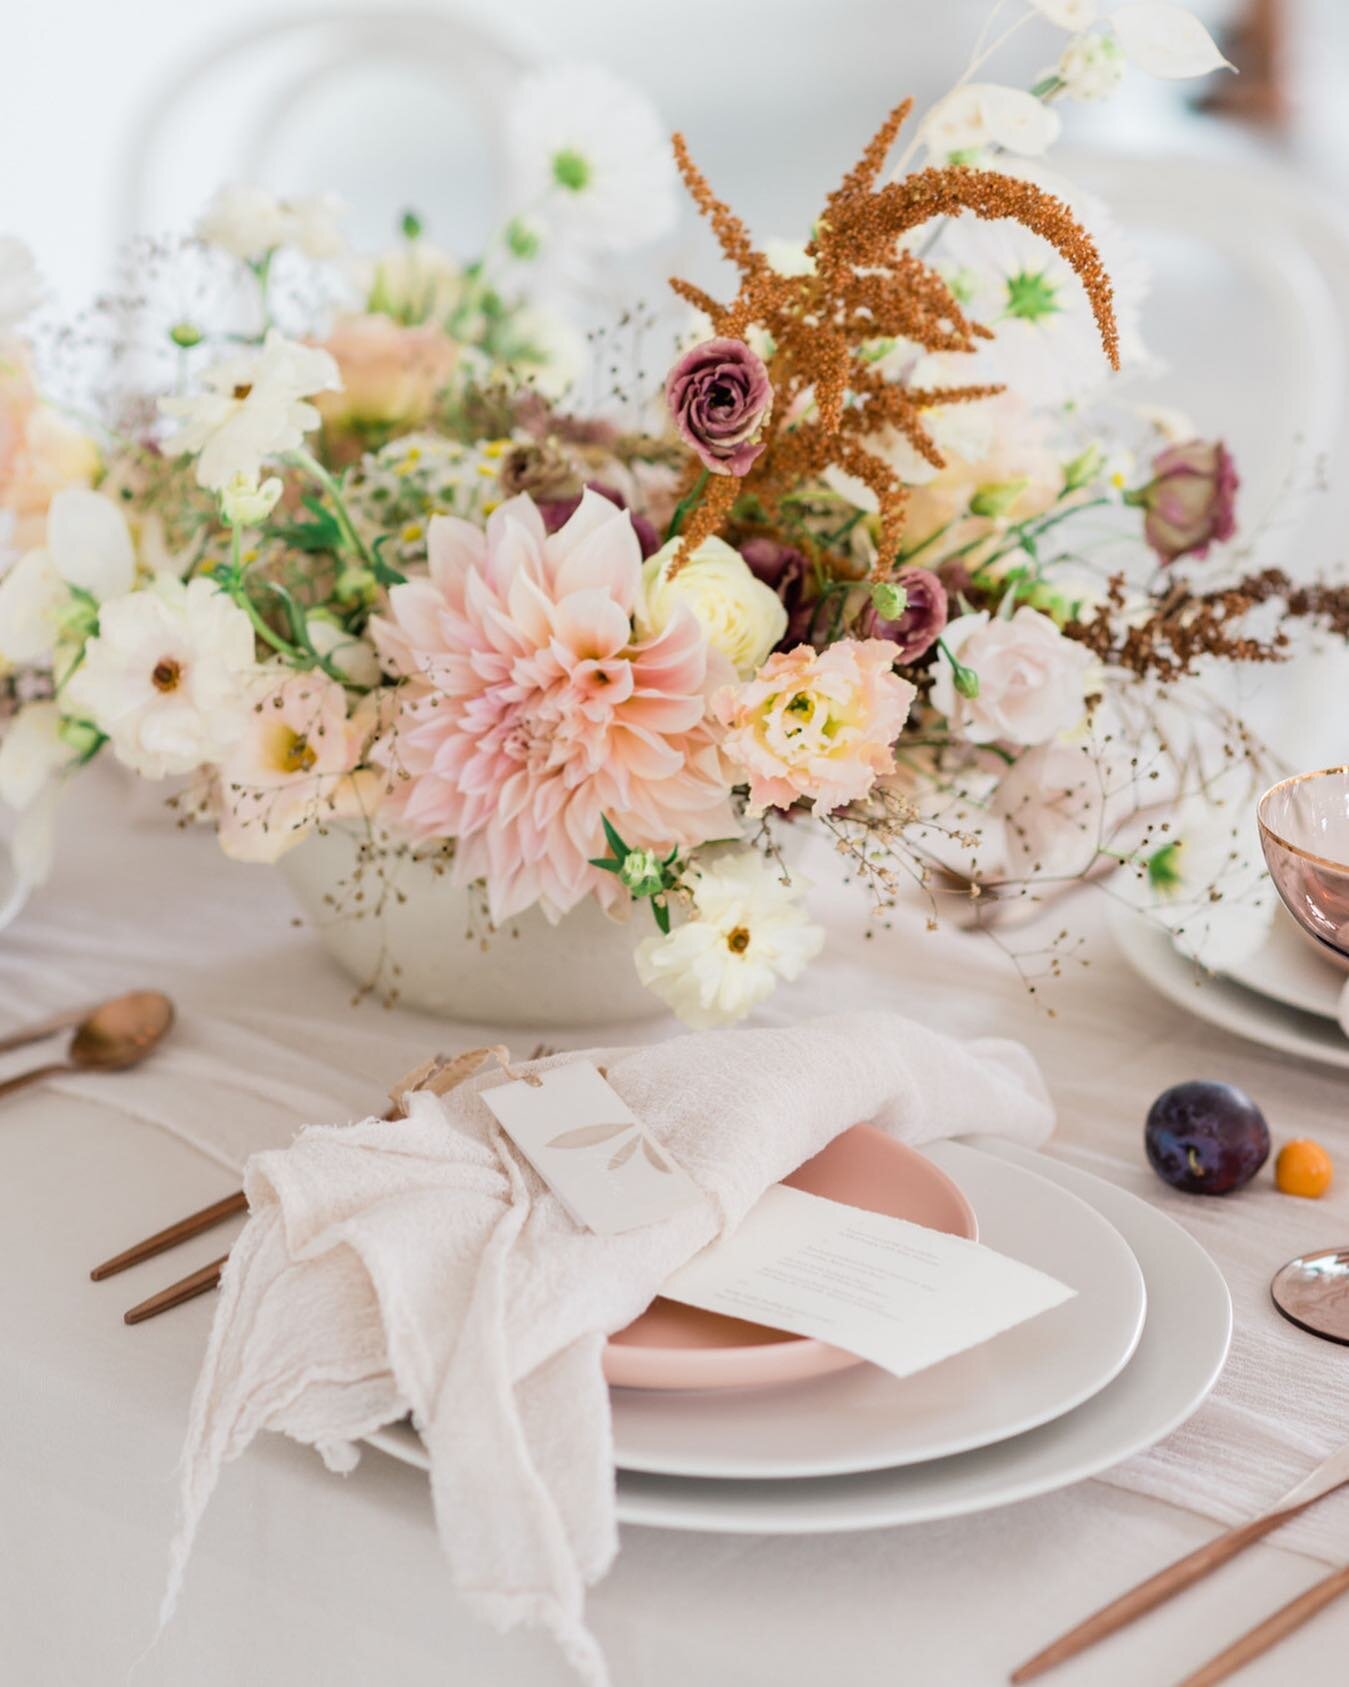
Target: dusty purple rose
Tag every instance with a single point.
(919, 625)
(1190, 500)
(557, 512)
(720, 397)
(786, 571)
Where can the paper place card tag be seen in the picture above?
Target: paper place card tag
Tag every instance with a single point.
(893, 1292)
(591, 1150)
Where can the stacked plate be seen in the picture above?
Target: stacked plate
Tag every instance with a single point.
(824, 1448)
(1286, 995)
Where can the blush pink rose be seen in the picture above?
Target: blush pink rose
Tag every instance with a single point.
(391, 374)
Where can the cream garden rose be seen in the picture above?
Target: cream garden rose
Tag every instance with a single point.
(1031, 681)
(742, 617)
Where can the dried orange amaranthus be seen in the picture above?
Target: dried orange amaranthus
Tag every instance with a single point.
(828, 400)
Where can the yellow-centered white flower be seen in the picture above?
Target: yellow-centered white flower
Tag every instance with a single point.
(254, 406)
(742, 617)
(748, 930)
(167, 676)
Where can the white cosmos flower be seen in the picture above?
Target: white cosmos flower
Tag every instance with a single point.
(590, 154)
(748, 930)
(33, 756)
(983, 114)
(167, 676)
(250, 222)
(254, 407)
(1205, 880)
(1046, 346)
(88, 546)
(1165, 40)
(20, 284)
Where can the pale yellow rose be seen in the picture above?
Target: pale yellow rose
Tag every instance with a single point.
(742, 617)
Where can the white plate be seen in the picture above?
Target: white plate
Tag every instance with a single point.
(1222, 1002)
(1287, 968)
(865, 1419)
(1177, 1362)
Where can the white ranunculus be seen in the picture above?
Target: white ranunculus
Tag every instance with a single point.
(741, 616)
(88, 546)
(590, 151)
(20, 283)
(166, 677)
(32, 752)
(90, 543)
(1091, 66)
(32, 596)
(250, 222)
(1165, 40)
(1031, 679)
(747, 930)
(254, 407)
(1068, 14)
(981, 114)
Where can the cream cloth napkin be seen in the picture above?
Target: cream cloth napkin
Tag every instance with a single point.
(421, 1266)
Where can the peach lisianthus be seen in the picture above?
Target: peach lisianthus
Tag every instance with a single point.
(530, 712)
(391, 374)
(286, 771)
(816, 724)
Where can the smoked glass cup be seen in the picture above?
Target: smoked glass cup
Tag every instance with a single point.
(1304, 832)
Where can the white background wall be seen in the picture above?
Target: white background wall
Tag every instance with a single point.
(776, 96)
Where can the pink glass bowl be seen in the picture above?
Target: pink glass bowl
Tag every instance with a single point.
(1304, 832)
(674, 1346)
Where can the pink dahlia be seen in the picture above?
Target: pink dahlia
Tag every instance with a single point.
(530, 710)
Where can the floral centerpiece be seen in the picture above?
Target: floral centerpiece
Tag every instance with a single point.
(872, 560)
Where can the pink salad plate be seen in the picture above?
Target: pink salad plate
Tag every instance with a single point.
(673, 1346)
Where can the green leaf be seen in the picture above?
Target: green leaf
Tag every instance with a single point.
(660, 908)
(607, 865)
(615, 843)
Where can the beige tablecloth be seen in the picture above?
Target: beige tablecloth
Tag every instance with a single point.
(305, 1578)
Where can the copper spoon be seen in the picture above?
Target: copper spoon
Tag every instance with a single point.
(115, 1035)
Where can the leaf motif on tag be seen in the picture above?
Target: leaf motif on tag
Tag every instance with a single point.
(653, 1157)
(624, 1154)
(587, 1136)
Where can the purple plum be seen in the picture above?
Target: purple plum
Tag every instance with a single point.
(1206, 1138)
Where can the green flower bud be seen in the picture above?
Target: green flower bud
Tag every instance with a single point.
(642, 872)
(411, 225)
(571, 170)
(997, 497)
(1084, 468)
(1163, 868)
(523, 239)
(967, 681)
(185, 335)
(81, 736)
(356, 585)
(889, 599)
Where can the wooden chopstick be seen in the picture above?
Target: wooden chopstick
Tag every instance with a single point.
(1148, 1595)
(193, 1225)
(188, 1288)
(1286, 1620)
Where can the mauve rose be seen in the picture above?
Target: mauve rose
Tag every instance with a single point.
(920, 624)
(1190, 500)
(720, 397)
(786, 570)
(557, 512)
